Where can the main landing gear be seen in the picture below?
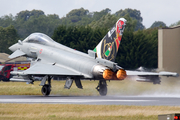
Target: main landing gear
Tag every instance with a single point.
(102, 88)
(46, 89)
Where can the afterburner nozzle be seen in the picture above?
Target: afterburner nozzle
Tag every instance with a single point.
(102, 72)
(108, 74)
(121, 74)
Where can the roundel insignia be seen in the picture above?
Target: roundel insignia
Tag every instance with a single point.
(40, 51)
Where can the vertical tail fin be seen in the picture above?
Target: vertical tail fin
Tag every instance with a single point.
(109, 45)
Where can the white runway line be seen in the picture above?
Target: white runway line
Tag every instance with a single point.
(64, 101)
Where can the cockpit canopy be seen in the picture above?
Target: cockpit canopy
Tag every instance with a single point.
(39, 38)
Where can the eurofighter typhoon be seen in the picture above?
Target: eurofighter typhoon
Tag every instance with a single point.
(51, 59)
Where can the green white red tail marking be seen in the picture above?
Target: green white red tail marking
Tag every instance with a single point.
(109, 45)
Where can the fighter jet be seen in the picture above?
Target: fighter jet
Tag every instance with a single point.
(50, 59)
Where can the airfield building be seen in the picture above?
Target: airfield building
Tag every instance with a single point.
(169, 49)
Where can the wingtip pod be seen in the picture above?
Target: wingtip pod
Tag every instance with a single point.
(173, 74)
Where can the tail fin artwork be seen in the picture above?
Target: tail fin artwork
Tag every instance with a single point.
(109, 45)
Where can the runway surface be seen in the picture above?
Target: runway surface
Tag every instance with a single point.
(93, 100)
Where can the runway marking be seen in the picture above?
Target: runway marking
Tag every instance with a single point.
(64, 101)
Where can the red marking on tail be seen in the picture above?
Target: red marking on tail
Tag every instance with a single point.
(119, 26)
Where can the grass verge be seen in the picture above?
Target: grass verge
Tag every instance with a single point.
(80, 112)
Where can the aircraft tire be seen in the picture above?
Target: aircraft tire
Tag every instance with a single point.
(68, 83)
(103, 90)
(46, 89)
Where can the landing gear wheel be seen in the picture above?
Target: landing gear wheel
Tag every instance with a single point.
(102, 88)
(46, 89)
(68, 83)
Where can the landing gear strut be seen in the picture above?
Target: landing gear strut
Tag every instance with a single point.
(102, 88)
(46, 89)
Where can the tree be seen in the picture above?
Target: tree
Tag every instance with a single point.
(130, 24)
(80, 38)
(77, 12)
(8, 36)
(25, 15)
(134, 14)
(99, 15)
(106, 21)
(76, 17)
(7, 20)
(175, 24)
(158, 24)
(27, 22)
(138, 48)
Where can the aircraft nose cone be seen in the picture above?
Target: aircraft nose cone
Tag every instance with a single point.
(13, 47)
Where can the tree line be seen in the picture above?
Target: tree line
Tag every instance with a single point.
(83, 30)
(26, 22)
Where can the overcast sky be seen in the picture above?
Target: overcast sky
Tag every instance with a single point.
(167, 11)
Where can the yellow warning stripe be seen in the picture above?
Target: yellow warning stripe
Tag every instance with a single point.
(23, 68)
